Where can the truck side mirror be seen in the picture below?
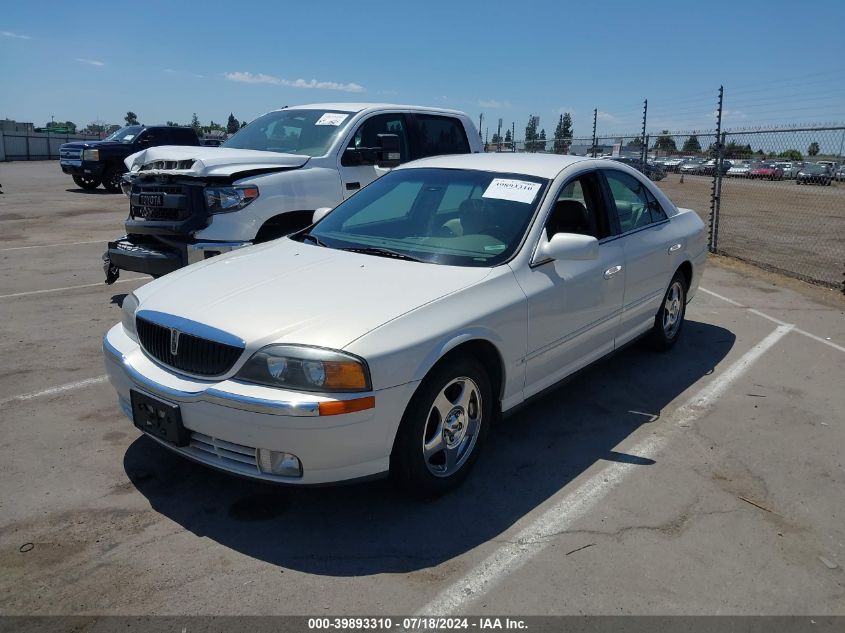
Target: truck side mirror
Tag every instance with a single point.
(389, 150)
(319, 214)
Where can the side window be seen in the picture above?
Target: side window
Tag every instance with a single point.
(632, 200)
(367, 133)
(657, 212)
(578, 209)
(436, 135)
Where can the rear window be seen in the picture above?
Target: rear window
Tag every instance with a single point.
(436, 135)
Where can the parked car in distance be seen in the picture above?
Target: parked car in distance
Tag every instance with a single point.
(709, 167)
(790, 170)
(92, 163)
(673, 164)
(738, 170)
(387, 336)
(692, 166)
(814, 173)
(212, 142)
(768, 171)
(829, 163)
(840, 174)
(188, 204)
(654, 172)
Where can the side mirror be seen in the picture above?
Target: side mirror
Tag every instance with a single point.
(389, 153)
(319, 214)
(568, 246)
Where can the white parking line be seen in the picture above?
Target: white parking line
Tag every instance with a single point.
(41, 292)
(769, 317)
(532, 539)
(21, 248)
(71, 386)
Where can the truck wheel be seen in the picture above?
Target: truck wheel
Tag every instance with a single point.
(112, 179)
(87, 183)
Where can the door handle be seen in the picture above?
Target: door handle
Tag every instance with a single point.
(353, 186)
(675, 247)
(612, 271)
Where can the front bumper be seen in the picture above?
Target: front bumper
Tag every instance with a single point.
(153, 257)
(230, 420)
(82, 168)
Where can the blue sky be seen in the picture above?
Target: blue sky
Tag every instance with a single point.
(95, 61)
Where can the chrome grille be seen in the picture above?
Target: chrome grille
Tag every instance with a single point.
(70, 154)
(212, 449)
(195, 355)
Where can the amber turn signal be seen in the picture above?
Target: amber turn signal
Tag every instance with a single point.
(338, 407)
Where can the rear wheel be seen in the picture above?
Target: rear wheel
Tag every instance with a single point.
(86, 182)
(443, 429)
(669, 320)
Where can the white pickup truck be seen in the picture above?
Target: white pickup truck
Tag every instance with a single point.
(191, 203)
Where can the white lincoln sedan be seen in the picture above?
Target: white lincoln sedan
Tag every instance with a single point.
(388, 335)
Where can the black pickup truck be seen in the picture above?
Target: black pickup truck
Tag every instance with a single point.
(92, 163)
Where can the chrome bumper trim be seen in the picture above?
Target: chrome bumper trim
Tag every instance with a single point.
(212, 395)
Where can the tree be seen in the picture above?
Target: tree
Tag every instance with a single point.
(692, 144)
(813, 150)
(791, 154)
(508, 137)
(496, 139)
(541, 143)
(95, 127)
(232, 124)
(243, 123)
(665, 142)
(635, 143)
(563, 134)
(735, 150)
(531, 135)
(131, 118)
(172, 124)
(195, 123)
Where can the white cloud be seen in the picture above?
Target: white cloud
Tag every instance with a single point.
(261, 78)
(606, 116)
(17, 36)
(173, 71)
(494, 104)
(92, 62)
(565, 110)
(169, 70)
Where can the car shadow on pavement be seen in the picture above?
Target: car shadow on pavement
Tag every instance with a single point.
(370, 529)
(92, 192)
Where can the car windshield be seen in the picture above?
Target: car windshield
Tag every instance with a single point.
(441, 216)
(308, 132)
(126, 134)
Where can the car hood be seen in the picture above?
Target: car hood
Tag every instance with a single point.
(288, 292)
(204, 161)
(90, 144)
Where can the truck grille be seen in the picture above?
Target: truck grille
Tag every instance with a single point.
(194, 355)
(70, 154)
(174, 201)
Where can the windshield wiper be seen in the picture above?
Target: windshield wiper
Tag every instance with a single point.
(314, 238)
(382, 252)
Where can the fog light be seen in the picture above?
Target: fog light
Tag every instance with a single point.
(278, 463)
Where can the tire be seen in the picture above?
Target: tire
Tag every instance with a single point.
(89, 184)
(428, 457)
(669, 320)
(112, 179)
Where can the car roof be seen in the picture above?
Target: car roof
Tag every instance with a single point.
(541, 165)
(361, 106)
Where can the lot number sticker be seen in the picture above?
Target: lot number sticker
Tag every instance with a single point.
(331, 118)
(516, 190)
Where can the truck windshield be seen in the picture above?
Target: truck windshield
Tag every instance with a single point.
(308, 132)
(456, 217)
(125, 134)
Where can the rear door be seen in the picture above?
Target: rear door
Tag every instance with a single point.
(646, 236)
(436, 135)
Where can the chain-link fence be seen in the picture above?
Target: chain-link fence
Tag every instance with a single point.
(775, 198)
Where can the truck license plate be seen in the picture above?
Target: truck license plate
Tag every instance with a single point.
(151, 199)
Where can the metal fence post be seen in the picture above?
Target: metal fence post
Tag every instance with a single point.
(716, 188)
(27, 145)
(595, 117)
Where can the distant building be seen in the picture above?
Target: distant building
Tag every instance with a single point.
(8, 125)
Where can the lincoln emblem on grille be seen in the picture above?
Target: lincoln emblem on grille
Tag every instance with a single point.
(174, 341)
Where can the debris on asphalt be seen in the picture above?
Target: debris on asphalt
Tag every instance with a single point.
(578, 549)
(827, 563)
(757, 505)
(26, 547)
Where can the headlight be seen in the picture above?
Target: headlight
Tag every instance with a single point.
(301, 368)
(91, 154)
(226, 199)
(130, 306)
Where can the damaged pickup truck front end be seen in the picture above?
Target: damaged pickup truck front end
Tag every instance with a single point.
(173, 199)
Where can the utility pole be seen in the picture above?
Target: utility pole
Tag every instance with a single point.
(499, 136)
(513, 136)
(595, 118)
(643, 146)
(480, 119)
(716, 189)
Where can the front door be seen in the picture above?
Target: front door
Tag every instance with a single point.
(573, 306)
(355, 177)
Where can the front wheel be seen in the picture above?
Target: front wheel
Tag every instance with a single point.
(112, 180)
(443, 429)
(89, 183)
(669, 319)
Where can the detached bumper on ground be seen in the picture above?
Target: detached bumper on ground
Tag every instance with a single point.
(239, 427)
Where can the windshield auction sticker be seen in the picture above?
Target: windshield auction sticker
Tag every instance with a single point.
(332, 118)
(516, 190)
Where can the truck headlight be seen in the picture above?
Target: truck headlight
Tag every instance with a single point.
(130, 306)
(91, 154)
(226, 199)
(301, 368)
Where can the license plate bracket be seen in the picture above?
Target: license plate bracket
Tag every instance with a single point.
(158, 418)
(151, 199)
